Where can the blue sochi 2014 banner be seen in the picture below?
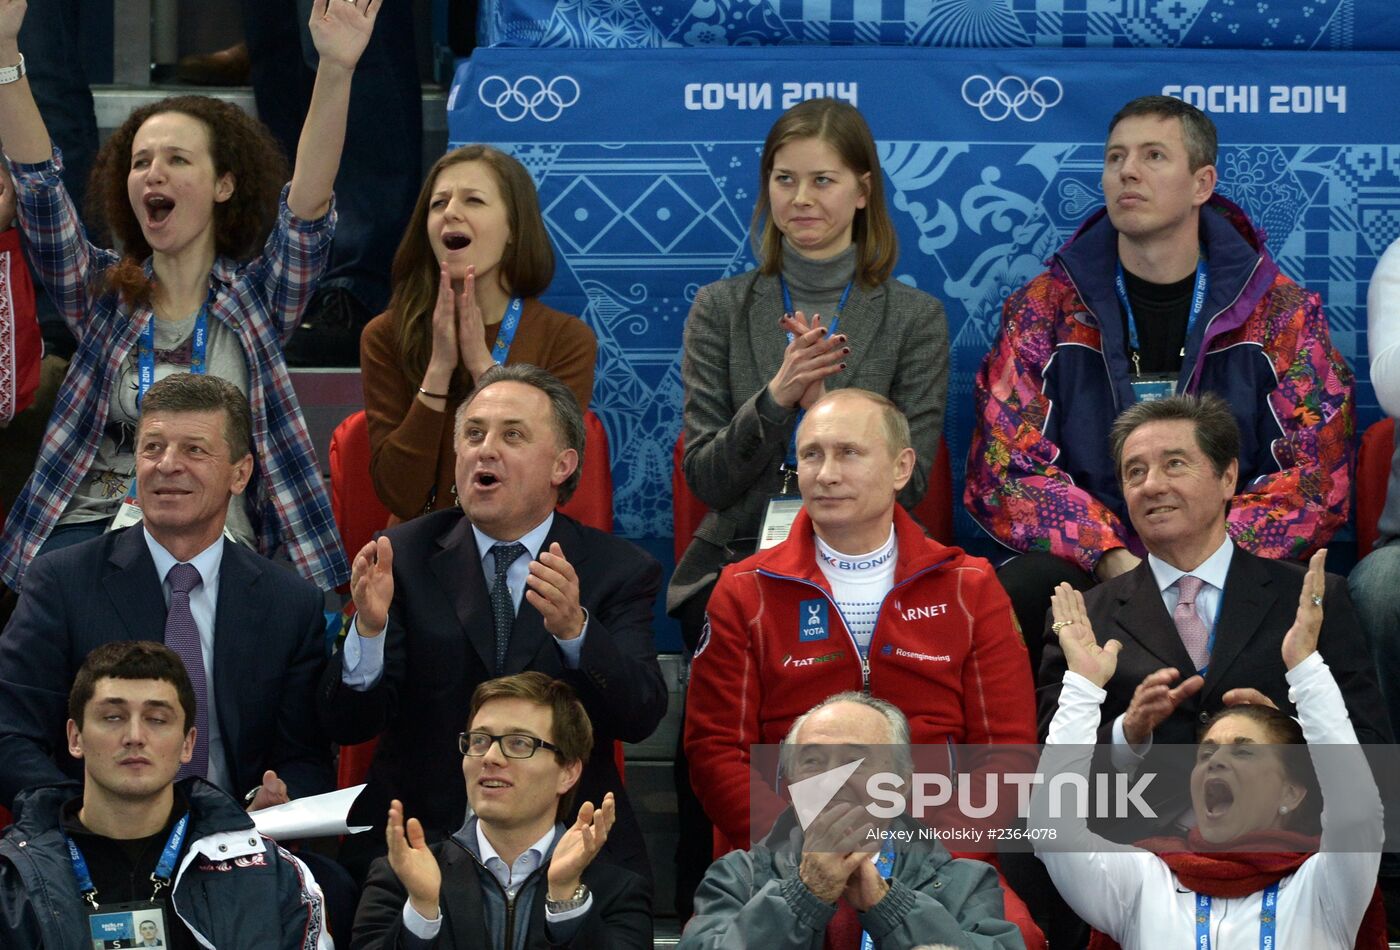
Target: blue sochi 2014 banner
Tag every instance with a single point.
(646, 162)
(1189, 24)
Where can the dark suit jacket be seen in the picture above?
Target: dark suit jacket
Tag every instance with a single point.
(441, 644)
(620, 918)
(1258, 607)
(269, 650)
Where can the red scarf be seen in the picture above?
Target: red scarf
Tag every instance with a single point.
(1207, 869)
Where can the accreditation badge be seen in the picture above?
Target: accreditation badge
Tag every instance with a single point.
(777, 520)
(130, 511)
(1152, 388)
(118, 926)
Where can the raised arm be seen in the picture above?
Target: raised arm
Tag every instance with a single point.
(340, 29)
(21, 127)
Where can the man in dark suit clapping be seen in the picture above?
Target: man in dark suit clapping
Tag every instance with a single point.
(503, 585)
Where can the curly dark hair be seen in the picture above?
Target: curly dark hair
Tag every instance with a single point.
(239, 145)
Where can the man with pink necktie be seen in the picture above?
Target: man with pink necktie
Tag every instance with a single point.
(1200, 619)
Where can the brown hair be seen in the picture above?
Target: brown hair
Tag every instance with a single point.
(893, 422)
(131, 660)
(1217, 433)
(572, 730)
(569, 427)
(1197, 130)
(526, 268)
(1287, 736)
(190, 392)
(841, 126)
(238, 144)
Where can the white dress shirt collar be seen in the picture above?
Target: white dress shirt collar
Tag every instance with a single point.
(207, 562)
(532, 539)
(1212, 570)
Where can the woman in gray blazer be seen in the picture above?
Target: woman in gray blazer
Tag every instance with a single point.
(753, 358)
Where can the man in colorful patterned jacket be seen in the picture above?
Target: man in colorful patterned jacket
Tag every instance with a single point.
(1168, 289)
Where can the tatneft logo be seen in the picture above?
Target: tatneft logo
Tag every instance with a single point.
(1012, 95)
(528, 95)
(790, 660)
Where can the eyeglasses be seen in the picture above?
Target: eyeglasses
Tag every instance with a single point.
(514, 745)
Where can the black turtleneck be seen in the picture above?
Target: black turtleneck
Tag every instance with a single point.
(121, 869)
(1161, 312)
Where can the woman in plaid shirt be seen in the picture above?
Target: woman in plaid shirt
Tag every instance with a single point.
(188, 187)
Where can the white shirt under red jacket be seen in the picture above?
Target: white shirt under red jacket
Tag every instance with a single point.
(945, 650)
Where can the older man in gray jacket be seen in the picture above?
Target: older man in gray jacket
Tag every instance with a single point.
(786, 893)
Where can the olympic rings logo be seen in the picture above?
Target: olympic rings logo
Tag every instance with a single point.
(528, 95)
(1012, 95)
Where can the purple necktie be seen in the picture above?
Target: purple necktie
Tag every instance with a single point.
(182, 636)
(1189, 624)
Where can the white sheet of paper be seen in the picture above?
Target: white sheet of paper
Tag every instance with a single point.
(314, 817)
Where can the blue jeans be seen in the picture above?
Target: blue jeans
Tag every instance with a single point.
(381, 167)
(68, 535)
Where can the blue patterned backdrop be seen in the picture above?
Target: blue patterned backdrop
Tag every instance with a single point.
(646, 163)
(1228, 24)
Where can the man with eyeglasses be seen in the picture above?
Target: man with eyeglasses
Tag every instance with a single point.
(517, 874)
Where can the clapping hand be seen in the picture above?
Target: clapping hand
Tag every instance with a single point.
(415, 865)
(552, 589)
(1083, 655)
(579, 846)
(372, 586)
(808, 361)
(1300, 641)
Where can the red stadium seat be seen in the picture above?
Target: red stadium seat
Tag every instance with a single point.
(686, 510)
(357, 509)
(359, 514)
(935, 512)
(592, 502)
(1372, 479)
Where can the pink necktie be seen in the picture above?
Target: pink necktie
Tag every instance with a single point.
(1189, 625)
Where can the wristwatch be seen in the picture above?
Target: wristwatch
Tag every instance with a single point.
(573, 903)
(9, 74)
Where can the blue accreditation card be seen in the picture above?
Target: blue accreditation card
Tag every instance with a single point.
(1151, 388)
(119, 926)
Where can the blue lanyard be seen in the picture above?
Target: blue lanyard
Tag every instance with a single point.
(830, 332)
(161, 876)
(506, 335)
(1198, 303)
(1268, 919)
(885, 865)
(836, 318)
(146, 351)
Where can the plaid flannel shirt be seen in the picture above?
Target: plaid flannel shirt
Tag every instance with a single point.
(261, 302)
